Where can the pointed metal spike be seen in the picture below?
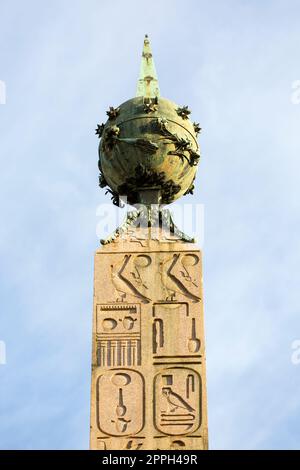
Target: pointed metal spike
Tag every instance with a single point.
(148, 83)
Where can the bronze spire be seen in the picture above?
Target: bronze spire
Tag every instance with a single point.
(148, 83)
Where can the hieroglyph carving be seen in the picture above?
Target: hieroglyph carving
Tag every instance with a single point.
(173, 319)
(118, 335)
(177, 401)
(178, 277)
(148, 370)
(127, 277)
(120, 402)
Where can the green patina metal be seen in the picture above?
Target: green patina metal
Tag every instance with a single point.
(148, 82)
(148, 150)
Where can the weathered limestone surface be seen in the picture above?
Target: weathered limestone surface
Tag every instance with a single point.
(148, 366)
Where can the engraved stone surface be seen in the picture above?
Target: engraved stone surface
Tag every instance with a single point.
(148, 369)
(177, 401)
(120, 402)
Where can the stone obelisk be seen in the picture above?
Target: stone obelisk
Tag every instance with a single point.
(148, 364)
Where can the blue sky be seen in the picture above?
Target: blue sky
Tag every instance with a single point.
(234, 63)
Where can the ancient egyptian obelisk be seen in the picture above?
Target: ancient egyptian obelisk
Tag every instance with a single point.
(148, 365)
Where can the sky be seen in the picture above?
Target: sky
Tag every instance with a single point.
(235, 64)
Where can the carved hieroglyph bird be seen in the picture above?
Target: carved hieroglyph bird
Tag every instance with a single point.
(175, 400)
(123, 285)
(171, 283)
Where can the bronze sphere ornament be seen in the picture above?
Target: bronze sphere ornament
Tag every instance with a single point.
(148, 152)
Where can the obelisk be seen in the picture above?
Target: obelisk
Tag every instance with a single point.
(148, 386)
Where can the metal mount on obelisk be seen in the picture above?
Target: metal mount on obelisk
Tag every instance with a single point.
(148, 367)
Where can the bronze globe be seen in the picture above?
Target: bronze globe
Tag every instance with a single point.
(148, 144)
